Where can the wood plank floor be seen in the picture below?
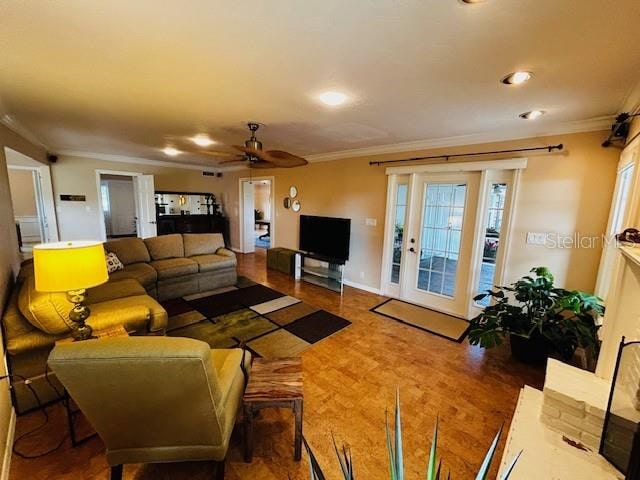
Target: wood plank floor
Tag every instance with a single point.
(349, 381)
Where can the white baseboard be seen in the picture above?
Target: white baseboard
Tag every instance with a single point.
(360, 286)
(8, 449)
(237, 250)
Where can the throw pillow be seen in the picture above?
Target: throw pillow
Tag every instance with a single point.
(113, 262)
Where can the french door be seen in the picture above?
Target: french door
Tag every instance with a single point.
(439, 239)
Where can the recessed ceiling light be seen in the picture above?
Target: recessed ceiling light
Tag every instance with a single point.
(172, 152)
(202, 140)
(333, 99)
(517, 78)
(532, 115)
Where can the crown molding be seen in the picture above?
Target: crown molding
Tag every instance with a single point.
(18, 128)
(145, 161)
(580, 126)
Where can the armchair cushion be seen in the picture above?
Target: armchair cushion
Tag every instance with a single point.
(202, 243)
(165, 246)
(46, 311)
(174, 267)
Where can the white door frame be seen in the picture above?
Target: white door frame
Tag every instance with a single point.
(99, 172)
(49, 220)
(484, 167)
(272, 237)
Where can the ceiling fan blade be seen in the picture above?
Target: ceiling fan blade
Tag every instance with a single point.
(262, 155)
(284, 159)
(238, 159)
(262, 165)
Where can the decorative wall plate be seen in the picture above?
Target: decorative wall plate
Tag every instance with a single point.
(293, 191)
(295, 206)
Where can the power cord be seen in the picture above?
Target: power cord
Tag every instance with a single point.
(43, 409)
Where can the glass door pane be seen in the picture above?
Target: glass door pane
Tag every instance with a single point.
(494, 215)
(398, 231)
(441, 237)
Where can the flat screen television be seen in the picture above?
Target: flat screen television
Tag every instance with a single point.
(325, 236)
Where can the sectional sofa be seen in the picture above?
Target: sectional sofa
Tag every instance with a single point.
(155, 269)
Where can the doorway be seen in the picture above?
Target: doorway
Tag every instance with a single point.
(262, 211)
(446, 232)
(257, 213)
(32, 199)
(126, 201)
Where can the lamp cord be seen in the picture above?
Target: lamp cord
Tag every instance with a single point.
(45, 421)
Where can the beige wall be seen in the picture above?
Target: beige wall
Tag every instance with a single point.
(75, 175)
(9, 257)
(23, 196)
(562, 193)
(263, 199)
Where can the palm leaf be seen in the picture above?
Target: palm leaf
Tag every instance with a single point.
(314, 466)
(509, 469)
(486, 463)
(431, 469)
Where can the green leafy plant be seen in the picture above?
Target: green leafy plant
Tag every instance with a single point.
(535, 309)
(396, 463)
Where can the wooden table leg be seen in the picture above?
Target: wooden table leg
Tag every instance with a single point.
(297, 442)
(248, 432)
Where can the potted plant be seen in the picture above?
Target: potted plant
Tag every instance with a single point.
(540, 319)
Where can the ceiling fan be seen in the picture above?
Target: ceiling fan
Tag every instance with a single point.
(253, 153)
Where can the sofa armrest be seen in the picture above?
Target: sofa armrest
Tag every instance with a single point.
(225, 252)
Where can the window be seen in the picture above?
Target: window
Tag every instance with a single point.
(494, 215)
(398, 231)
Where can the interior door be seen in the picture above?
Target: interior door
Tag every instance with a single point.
(122, 211)
(144, 189)
(248, 217)
(439, 242)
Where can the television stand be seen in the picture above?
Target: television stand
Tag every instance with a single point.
(321, 271)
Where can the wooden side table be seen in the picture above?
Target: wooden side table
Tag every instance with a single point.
(274, 383)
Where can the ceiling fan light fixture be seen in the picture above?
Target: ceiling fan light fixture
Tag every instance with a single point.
(517, 78)
(332, 99)
(532, 115)
(202, 140)
(171, 151)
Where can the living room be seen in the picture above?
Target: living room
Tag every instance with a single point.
(498, 137)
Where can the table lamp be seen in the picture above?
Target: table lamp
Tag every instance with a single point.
(71, 267)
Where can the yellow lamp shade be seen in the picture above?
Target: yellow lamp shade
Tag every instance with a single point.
(66, 266)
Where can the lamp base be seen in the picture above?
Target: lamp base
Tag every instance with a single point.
(78, 314)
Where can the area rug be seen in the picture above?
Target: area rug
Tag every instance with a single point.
(423, 318)
(270, 323)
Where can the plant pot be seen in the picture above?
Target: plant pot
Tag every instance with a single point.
(533, 351)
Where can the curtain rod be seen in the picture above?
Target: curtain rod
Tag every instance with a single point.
(548, 148)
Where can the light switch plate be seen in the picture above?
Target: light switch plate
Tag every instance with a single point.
(536, 238)
(371, 222)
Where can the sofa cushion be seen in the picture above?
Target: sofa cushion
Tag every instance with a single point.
(144, 273)
(202, 243)
(174, 267)
(165, 246)
(127, 287)
(128, 250)
(208, 263)
(46, 311)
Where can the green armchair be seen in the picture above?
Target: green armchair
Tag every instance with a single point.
(155, 399)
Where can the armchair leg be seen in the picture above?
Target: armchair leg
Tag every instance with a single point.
(219, 475)
(116, 472)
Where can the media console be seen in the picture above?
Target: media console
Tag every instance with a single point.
(321, 271)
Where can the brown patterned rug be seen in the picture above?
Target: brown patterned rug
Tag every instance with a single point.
(270, 323)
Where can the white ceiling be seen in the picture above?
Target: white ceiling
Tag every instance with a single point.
(123, 77)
